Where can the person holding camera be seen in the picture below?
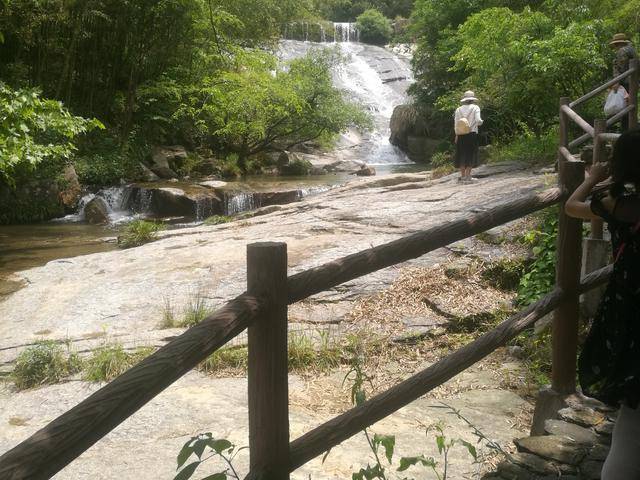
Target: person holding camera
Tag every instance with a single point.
(609, 365)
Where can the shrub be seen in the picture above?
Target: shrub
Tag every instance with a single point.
(109, 361)
(374, 27)
(539, 278)
(528, 148)
(230, 167)
(138, 233)
(43, 363)
(505, 274)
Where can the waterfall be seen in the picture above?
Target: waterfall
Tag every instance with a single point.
(240, 202)
(372, 76)
(346, 32)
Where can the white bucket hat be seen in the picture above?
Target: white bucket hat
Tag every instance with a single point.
(469, 96)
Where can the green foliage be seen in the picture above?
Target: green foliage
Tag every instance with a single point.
(374, 27)
(518, 57)
(110, 361)
(250, 110)
(34, 130)
(138, 233)
(43, 363)
(102, 160)
(234, 358)
(536, 355)
(539, 278)
(349, 10)
(527, 147)
(196, 309)
(205, 447)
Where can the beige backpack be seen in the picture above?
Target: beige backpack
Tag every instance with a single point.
(462, 126)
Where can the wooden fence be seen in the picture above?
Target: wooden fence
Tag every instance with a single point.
(262, 309)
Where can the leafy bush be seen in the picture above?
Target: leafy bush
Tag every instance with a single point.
(527, 147)
(539, 278)
(110, 361)
(43, 363)
(34, 130)
(138, 233)
(505, 274)
(374, 27)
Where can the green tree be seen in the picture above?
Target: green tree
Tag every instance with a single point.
(374, 27)
(34, 130)
(256, 108)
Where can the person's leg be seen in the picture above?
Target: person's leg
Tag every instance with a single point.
(623, 461)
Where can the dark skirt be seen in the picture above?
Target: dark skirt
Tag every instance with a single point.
(467, 150)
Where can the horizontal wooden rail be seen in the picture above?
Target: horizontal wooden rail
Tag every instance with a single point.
(609, 137)
(602, 88)
(339, 429)
(329, 275)
(564, 151)
(68, 436)
(610, 121)
(581, 122)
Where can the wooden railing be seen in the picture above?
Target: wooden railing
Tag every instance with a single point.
(263, 311)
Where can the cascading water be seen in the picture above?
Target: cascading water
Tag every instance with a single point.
(240, 202)
(374, 77)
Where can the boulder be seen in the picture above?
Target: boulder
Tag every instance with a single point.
(419, 134)
(165, 160)
(365, 171)
(96, 211)
(278, 198)
(147, 174)
(177, 200)
(348, 166)
(71, 191)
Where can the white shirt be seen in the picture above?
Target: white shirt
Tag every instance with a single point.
(471, 112)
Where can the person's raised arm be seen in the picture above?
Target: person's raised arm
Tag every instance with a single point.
(578, 206)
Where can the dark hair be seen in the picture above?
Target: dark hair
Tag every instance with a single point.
(625, 163)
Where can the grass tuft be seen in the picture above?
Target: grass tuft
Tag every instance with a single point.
(46, 362)
(138, 233)
(109, 361)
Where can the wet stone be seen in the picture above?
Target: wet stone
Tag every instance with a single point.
(586, 417)
(571, 431)
(553, 447)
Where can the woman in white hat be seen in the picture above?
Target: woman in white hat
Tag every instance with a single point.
(467, 121)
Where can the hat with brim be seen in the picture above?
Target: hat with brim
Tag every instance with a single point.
(619, 39)
(469, 96)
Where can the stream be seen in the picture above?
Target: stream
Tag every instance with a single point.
(372, 76)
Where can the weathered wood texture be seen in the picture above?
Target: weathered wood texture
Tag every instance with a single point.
(569, 259)
(268, 364)
(65, 438)
(353, 421)
(581, 122)
(632, 70)
(324, 277)
(633, 93)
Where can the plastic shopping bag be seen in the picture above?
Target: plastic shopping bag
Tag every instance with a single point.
(616, 101)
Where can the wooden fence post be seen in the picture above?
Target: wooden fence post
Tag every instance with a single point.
(268, 363)
(633, 93)
(566, 316)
